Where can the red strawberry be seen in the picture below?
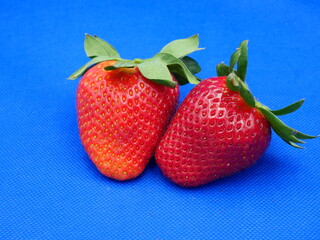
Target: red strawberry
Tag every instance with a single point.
(124, 106)
(220, 129)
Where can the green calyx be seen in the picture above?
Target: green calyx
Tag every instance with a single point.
(171, 60)
(236, 82)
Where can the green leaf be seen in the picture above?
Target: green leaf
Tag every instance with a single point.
(95, 46)
(246, 94)
(243, 61)
(157, 71)
(222, 70)
(279, 127)
(121, 64)
(234, 59)
(301, 135)
(182, 47)
(288, 142)
(289, 109)
(180, 78)
(176, 66)
(239, 58)
(85, 67)
(288, 134)
(231, 82)
(192, 64)
(234, 83)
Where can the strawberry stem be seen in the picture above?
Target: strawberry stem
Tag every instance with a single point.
(137, 60)
(289, 109)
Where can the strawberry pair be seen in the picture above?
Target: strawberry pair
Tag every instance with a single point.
(127, 112)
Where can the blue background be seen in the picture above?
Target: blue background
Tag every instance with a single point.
(49, 189)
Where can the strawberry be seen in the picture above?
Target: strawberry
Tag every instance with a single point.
(220, 129)
(124, 106)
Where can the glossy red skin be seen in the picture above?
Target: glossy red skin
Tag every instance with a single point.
(213, 134)
(121, 118)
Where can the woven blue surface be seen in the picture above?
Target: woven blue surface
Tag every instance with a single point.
(49, 189)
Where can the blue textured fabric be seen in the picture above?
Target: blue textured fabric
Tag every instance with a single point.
(49, 189)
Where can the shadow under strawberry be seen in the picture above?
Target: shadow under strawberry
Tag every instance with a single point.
(270, 164)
